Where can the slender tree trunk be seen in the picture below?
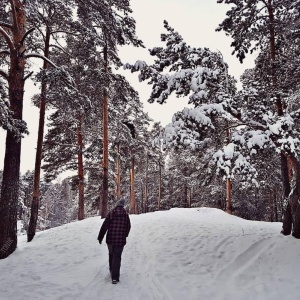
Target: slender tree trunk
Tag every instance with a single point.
(80, 171)
(105, 146)
(100, 203)
(228, 182)
(185, 197)
(146, 186)
(284, 161)
(159, 187)
(132, 194)
(271, 201)
(39, 151)
(118, 171)
(275, 206)
(171, 192)
(11, 170)
(228, 196)
(142, 195)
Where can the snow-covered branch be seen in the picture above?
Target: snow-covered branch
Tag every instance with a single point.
(26, 34)
(4, 52)
(7, 38)
(4, 74)
(6, 25)
(37, 55)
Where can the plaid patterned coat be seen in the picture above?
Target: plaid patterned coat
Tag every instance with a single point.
(117, 225)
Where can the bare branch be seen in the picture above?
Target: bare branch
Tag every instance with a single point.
(26, 34)
(7, 38)
(4, 74)
(27, 76)
(42, 57)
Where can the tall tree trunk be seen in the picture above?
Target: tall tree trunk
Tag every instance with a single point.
(142, 196)
(190, 198)
(132, 194)
(11, 170)
(105, 145)
(271, 201)
(228, 182)
(228, 196)
(39, 151)
(80, 171)
(118, 171)
(100, 203)
(275, 206)
(287, 227)
(159, 187)
(146, 185)
(287, 213)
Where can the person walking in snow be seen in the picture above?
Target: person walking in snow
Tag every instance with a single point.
(117, 225)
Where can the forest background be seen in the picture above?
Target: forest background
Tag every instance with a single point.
(235, 146)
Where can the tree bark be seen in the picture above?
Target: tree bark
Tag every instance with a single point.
(39, 151)
(294, 201)
(11, 170)
(80, 171)
(228, 196)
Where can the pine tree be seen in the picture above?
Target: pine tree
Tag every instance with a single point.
(112, 25)
(13, 32)
(50, 17)
(202, 75)
(266, 25)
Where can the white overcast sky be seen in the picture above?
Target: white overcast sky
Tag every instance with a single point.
(195, 20)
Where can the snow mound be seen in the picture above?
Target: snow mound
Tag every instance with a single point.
(198, 253)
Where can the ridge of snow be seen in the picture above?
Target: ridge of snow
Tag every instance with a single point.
(197, 253)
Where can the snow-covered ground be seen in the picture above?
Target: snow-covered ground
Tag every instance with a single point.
(180, 254)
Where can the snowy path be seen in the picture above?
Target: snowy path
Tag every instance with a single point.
(178, 254)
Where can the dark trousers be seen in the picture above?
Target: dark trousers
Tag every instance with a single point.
(115, 253)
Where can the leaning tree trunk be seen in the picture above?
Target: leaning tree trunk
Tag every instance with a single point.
(80, 171)
(11, 170)
(39, 151)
